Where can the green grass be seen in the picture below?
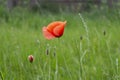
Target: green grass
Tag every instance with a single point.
(95, 56)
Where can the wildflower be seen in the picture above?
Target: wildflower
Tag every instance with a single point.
(54, 30)
(30, 58)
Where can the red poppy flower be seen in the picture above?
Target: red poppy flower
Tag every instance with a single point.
(54, 30)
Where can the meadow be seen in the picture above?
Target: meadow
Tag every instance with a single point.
(88, 50)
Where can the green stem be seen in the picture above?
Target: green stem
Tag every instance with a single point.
(1, 75)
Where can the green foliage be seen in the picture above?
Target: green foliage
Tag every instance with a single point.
(69, 57)
(3, 12)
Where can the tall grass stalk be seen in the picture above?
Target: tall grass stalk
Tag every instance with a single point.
(49, 68)
(86, 28)
(56, 71)
(117, 66)
(67, 68)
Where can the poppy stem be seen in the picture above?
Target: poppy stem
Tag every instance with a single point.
(56, 72)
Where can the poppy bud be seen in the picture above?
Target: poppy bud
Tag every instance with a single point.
(47, 51)
(30, 58)
(81, 37)
(104, 33)
(54, 53)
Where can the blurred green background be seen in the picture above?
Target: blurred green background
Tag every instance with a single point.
(57, 6)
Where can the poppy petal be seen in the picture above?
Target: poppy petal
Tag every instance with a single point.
(58, 30)
(47, 34)
(52, 25)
